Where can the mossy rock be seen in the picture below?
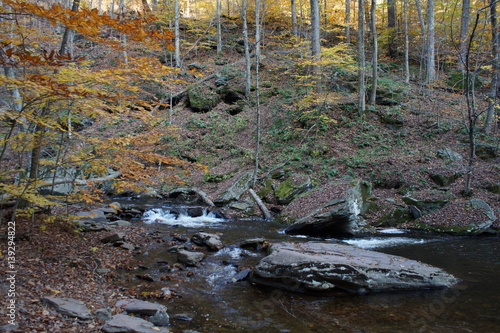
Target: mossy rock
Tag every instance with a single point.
(493, 188)
(428, 201)
(396, 217)
(487, 152)
(476, 217)
(292, 188)
(203, 98)
(445, 178)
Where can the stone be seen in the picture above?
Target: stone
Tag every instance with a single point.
(103, 314)
(127, 324)
(203, 98)
(68, 306)
(128, 246)
(96, 215)
(120, 223)
(291, 189)
(487, 152)
(476, 218)
(212, 241)
(427, 201)
(394, 218)
(160, 318)
(448, 154)
(255, 244)
(236, 190)
(330, 267)
(189, 258)
(444, 177)
(137, 306)
(113, 238)
(338, 210)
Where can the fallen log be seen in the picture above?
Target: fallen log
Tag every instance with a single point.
(261, 205)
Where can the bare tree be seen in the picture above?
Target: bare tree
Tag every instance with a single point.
(464, 31)
(315, 32)
(391, 24)
(219, 28)
(67, 41)
(373, 96)
(294, 17)
(407, 48)
(177, 40)
(348, 21)
(361, 58)
(248, 74)
(430, 56)
(495, 73)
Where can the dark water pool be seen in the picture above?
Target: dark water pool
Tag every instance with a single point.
(213, 303)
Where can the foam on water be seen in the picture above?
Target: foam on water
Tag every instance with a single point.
(158, 215)
(373, 243)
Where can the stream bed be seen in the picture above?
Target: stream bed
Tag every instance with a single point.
(209, 299)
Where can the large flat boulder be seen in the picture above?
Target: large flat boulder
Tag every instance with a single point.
(330, 267)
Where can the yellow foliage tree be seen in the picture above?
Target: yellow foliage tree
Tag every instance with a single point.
(47, 96)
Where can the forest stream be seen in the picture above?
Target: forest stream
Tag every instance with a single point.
(209, 299)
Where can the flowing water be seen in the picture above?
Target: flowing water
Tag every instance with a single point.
(211, 301)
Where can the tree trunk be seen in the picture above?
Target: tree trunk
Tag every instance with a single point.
(495, 73)
(348, 21)
(464, 31)
(248, 74)
(361, 58)
(373, 96)
(294, 17)
(407, 47)
(219, 30)
(430, 57)
(177, 41)
(315, 35)
(67, 41)
(257, 90)
(391, 24)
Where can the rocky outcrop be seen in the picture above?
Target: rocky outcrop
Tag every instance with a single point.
(236, 190)
(469, 217)
(330, 267)
(425, 202)
(292, 188)
(336, 212)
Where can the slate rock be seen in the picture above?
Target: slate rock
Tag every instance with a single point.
(212, 241)
(68, 306)
(137, 306)
(330, 267)
(122, 323)
(189, 258)
(113, 238)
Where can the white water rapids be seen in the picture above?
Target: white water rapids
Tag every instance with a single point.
(165, 216)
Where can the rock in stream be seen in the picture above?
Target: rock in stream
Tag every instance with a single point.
(318, 266)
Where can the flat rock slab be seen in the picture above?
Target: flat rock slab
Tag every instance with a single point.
(122, 323)
(69, 307)
(319, 266)
(140, 307)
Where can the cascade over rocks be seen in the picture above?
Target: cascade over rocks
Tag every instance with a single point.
(329, 267)
(337, 212)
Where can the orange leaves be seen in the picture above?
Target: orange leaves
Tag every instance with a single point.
(90, 23)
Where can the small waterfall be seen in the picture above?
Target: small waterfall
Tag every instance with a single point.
(181, 218)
